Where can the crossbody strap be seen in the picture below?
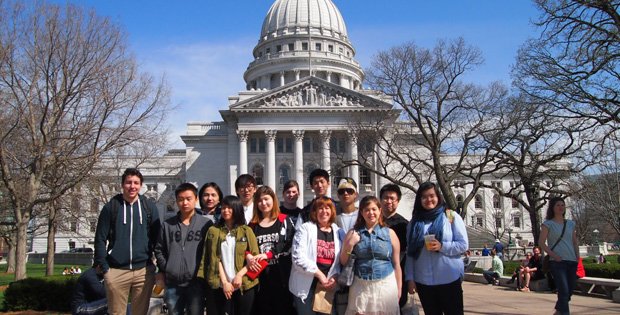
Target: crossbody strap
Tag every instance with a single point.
(561, 235)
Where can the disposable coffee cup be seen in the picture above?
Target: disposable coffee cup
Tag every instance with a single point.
(428, 239)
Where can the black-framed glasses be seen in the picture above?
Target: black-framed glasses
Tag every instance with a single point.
(349, 191)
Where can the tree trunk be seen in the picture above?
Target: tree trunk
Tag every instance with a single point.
(51, 236)
(20, 253)
(11, 258)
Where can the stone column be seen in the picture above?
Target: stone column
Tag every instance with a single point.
(297, 73)
(299, 164)
(329, 76)
(355, 172)
(281, 78)
(271, 159)
(325, 154)
(243, 151)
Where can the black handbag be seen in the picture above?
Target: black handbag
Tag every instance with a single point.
(345, 278)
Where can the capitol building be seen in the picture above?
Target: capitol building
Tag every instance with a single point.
(303, 88)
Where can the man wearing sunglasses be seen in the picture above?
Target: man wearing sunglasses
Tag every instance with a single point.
(347, 215)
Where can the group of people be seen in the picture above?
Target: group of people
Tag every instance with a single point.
(255, 253)
(73, 270)
(529, 270)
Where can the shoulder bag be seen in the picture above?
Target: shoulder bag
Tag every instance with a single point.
(546, 259)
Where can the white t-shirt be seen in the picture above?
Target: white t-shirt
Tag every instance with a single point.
(248, 212)
(228, 256)
(346, 221)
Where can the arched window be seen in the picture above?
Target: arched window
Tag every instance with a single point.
(285, 173)
(497, 201)
(257, 172)
(478, 202)
(308, 169)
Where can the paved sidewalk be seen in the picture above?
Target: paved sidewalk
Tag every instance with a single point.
(486, 299)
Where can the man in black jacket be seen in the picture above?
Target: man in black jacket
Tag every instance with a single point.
(129, 225)
(89, 295)
(390, 197)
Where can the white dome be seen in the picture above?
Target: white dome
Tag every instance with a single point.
(287, 17)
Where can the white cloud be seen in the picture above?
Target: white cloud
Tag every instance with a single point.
(201, 75)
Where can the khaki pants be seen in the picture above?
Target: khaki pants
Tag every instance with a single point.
(120, 282)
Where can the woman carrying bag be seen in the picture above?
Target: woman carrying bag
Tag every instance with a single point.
(563, 252)
(377, 284)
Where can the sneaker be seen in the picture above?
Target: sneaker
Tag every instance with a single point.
(496, 282)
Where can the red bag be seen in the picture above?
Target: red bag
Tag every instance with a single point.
(581, 272)
(253, 274)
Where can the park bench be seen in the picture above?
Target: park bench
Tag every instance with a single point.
(604, 286)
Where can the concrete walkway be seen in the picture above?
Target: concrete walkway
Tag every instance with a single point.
(486, 299)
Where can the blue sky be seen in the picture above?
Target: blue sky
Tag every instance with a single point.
(203, 47)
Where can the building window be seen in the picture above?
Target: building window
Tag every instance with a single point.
(330, 48)
(304, 46)
(459, 184)
(267, 51)
(94, 205)
(337, 174)
(459, 203)
(498, 222)
(284, 144)
(73, 225)
(257, 145)
(151, 187)
(515, 202)
(479, 221)
(478, 202)
(93, 225)
(278, 48)
(311, 144)
(309, 168)
(340, 50)
(364, 176)
(497, 185)
(317, 46)
(291, 47)
(497, 202)
(337, 145)
(257, 172)
(516, 222)
(285, 173)
(260, 54)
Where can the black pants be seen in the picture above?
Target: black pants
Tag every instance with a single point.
(239, 304)
(272, 296)
(441, 299)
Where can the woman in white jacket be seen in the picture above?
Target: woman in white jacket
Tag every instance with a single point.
(316, 249)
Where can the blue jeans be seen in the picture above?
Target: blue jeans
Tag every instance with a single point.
(490, 276)
(98, 307)
(565, 277)
(186, 300)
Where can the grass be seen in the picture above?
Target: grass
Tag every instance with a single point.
(32, 271)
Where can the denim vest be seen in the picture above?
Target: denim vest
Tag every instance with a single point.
(373, 254)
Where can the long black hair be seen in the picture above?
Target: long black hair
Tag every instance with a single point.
(417, 205)
(552, 202)
(237, 207)
(202, 190)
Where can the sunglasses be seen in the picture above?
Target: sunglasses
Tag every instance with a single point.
(349, 191)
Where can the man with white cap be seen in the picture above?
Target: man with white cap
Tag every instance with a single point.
(347, 215)
(499, 249)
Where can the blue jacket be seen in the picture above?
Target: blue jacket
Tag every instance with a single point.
(445, 266)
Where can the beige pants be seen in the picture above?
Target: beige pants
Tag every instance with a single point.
(120, 282)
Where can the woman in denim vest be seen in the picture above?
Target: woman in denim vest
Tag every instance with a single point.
(563, 262)
(377, 284)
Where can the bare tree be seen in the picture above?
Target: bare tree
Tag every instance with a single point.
(72, 94)
(540, 151)
(438, 135)
(573, 65)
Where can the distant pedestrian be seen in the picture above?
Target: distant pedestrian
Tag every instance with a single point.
(497, 269)
(558, 239)
(499, 249)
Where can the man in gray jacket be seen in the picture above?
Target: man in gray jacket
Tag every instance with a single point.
(179, 251)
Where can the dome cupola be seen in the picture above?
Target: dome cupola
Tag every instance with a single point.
(301, 38)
